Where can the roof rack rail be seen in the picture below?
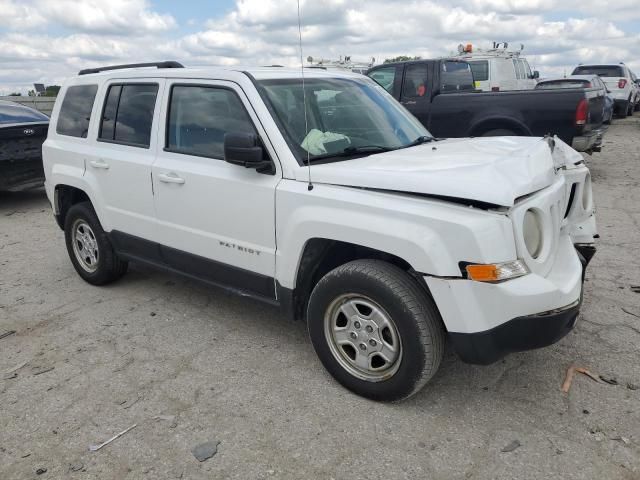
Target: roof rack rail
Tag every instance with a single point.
(167, 64)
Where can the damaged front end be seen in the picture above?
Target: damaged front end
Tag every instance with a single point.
(579, 214)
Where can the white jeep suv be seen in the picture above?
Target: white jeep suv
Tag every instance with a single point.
(331, 202)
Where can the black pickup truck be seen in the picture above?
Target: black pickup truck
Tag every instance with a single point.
(441, 94)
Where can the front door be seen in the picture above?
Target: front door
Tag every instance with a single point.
(215, 220)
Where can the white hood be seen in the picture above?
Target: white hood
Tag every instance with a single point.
(494, 170)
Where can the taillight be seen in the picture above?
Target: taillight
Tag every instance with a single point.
(622, 83)
(582, 112)
(588, 85)
(495, 89)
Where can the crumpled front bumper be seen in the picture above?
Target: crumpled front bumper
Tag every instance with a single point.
(522, 333)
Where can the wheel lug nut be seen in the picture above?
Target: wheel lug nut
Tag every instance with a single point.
(372, 342)
(357, 324)
(353, 335)
(369, 329)
(363, 346)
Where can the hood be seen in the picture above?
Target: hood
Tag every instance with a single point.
(495, 170)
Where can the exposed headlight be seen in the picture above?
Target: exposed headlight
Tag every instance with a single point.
(496, 272)
(532, 232)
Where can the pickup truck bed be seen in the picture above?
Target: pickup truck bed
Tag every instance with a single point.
(449, 106)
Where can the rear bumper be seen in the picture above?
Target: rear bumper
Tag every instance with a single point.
(587, 142)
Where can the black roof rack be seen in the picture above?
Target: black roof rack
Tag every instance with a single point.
(167, 64)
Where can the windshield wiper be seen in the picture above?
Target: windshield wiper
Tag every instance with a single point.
(352, 150)
(419, 141)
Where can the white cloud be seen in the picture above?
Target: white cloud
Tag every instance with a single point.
(96, 16)
(262, 32)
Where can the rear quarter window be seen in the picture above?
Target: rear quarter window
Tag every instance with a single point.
(75, 112)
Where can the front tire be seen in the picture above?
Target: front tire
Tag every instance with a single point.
(376, 330)
(89, 248)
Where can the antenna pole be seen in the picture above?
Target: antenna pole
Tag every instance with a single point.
(304, 96)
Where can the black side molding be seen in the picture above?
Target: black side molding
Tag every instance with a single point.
(166, 64)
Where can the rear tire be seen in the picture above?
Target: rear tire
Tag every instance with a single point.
(376, 330)
(89, 248)
(630, 109)
(499, 132)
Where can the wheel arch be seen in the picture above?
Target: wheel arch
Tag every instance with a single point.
(494, 123)
(64, 197)
(321, 255)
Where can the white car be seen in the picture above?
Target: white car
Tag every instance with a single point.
(622, 83)
(499, 69)
(350, 217)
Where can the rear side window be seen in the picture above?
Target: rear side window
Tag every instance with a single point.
(600, 70)
(127, 115)
(385, 77)
(415, 80)
(456, 76)
(75, 111)
(480, 70)
(200, 116)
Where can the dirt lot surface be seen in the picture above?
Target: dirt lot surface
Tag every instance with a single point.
(190, 364)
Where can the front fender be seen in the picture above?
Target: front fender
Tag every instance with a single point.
(430, 235)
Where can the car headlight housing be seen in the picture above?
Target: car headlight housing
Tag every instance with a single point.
(495, 272)
(532, 232)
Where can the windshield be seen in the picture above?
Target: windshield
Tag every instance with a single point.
(600, 70)
(480, 69)
(562, 84)
(345, 117)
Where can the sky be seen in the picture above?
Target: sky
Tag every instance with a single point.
(45, 41)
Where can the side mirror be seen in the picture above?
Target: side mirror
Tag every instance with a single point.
(244, 149)
(536, 74)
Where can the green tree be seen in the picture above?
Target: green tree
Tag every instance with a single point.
(401, 58)
(15, 94)
(51, 91)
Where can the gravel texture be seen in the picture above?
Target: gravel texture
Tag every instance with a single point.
(187, 363)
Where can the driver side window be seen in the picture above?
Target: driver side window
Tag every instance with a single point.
(199, 117)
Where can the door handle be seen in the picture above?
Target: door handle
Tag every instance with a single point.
(170, 178)
(99, 164)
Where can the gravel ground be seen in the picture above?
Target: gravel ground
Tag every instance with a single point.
(189, 364)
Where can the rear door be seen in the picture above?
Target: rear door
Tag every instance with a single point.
(215, 220)
(119, 165)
